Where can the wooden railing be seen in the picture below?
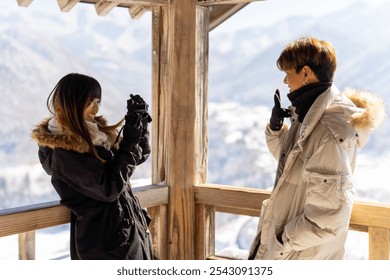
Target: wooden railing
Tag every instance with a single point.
(370, 217)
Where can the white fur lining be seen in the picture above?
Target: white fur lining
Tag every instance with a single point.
(98, 137)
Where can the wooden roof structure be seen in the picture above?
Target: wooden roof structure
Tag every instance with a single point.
(219, 10)
(180, 31)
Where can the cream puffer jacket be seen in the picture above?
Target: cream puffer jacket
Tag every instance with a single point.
(311, 203)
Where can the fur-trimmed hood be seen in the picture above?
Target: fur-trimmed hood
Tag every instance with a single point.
(374, 109)
(368, 114)
(65, 140)
(348, 114)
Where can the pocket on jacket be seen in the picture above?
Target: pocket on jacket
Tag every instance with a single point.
(277, 251)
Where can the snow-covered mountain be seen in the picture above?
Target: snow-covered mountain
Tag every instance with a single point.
(40, 44)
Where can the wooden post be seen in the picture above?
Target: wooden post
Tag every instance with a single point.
(205, 231)
(27, 245)
(159, 214)
(180, 55)
(378, 243)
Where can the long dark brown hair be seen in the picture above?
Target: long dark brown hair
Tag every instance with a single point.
(67, 102)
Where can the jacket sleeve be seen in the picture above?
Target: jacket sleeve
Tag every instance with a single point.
(274, 139)
(329, 198)
(93, 178)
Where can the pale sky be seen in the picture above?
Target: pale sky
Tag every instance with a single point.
(263, 13)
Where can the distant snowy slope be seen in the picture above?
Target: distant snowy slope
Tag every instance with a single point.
(39, 46)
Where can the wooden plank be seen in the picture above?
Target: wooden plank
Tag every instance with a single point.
(218, 258)
(371, 214)
(128, 3)
(364, 214)
(152, 195)
(201, 95)
(44, 215)
(67, 5)
(229, 196)
(158, 229)
(220, 13)
(358, 228)
(205, 231)
(378, 243)
(160, 92)
(27, 245)
(137, 11)
(103, 7)
(237, 211)
(24, 3)
(223, 2)
(33, 220)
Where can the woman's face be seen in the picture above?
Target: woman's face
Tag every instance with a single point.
(293, 79)
(91, 110)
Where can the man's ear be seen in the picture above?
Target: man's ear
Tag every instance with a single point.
(309, 73)
(306, 70)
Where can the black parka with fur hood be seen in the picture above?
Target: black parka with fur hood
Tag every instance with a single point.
(107, 221)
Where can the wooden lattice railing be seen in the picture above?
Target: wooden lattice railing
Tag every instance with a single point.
(370, 217)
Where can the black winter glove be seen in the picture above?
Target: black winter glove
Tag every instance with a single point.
(278, 113)
(136, 121)
(136, 104)
(132, 130)
(145, 146)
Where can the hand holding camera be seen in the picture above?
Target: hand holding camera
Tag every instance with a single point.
(136, 119)
(137, 108)
(278, 113)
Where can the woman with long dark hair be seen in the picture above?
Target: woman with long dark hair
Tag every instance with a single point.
(90, 168)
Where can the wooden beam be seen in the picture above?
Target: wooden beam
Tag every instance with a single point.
(67, 5)
(378, 243)
(220, 13)
(27, 245)
(159, 225)
(128, 3)
(103, 7)
(224, 2)
(179, 85)
(24, 3)
(229, 196)
(44, 215)
(136, 11)
(18, 222)
(158, 229)
(160, 84)
(146, 2)
(371, 214)
(181, 131)
(205, 231)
